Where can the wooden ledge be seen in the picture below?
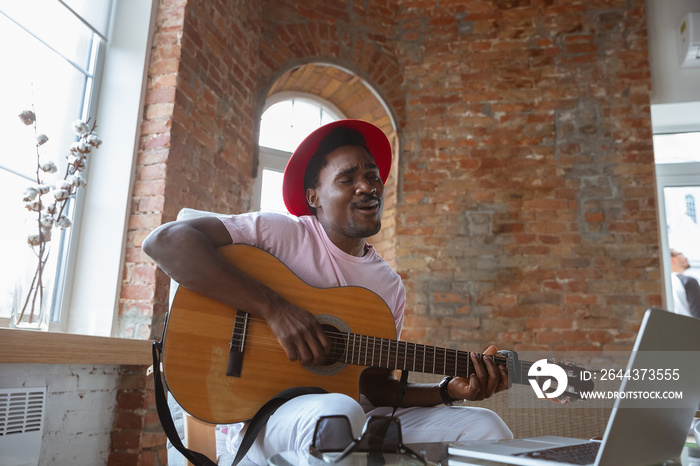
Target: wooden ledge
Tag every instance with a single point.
(32, 347)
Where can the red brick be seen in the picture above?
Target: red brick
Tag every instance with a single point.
(160, 95)
(447, 298)
(159, 111)
(623, 227)
(125, 440)
(547, 204)
(148, 221)
(580, 299)
(152, 439)
(132, 381)
(595, 216)
(142, 292)
(161, 140)
(151, 204)
(151, 421)
(118, 458)
(130, 400)
(144, 273)
(128, 421)
(149, 187)
(148, 458)
(538, 323)
(548, 337)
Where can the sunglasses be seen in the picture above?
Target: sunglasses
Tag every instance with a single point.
(333, 440)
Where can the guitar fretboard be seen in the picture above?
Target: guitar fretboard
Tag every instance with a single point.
(365, 350)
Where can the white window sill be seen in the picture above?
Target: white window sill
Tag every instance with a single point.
(32, 347)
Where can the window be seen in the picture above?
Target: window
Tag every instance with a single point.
(52, 66)
(289, 118)
(678, 181)
(61, 61)
(677, 148)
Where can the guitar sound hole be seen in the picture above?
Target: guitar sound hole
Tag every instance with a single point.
(338, 341)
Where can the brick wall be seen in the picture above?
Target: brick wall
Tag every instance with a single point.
(137, 437)
(528, 212)
(525, 199)
(141, 279)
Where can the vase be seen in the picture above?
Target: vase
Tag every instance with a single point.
(32, 297)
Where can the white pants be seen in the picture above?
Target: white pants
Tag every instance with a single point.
(291, 427)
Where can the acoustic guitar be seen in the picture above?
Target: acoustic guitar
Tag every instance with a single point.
(221, 364)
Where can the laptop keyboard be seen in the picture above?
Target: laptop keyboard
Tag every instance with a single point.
(583, 453)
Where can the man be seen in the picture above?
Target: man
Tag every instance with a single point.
(686, 290)
(334, 188)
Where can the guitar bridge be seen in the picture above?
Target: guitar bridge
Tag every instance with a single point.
(235, 356)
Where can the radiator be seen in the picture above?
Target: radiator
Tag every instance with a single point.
(21, 425)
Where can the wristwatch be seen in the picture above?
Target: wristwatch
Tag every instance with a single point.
(442, 386)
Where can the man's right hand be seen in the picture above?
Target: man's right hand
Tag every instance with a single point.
(299, 333)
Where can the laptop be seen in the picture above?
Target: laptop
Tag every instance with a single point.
(635, 435)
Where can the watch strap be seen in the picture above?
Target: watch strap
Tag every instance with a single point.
(442, 386)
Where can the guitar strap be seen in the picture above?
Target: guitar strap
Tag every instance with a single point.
(401, 392)
(254, 427)
(166, 418)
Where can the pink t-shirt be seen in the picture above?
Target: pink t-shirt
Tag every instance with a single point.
(302, 244)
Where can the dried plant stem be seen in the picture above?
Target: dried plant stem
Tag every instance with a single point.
(37, 285)
(52, 215)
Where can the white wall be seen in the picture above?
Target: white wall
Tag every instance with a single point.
(80, 401)
(670, 82)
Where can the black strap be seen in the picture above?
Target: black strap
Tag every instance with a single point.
(401, 392)
(256, 424)
(254, 427)
(166, 418)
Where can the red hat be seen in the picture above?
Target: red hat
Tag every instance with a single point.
(293, 191)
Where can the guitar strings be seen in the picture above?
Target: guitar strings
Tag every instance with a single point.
(458, 364)
(343, 350)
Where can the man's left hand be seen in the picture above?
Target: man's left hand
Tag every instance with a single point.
(487, 379)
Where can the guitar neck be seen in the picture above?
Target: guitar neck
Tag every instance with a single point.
(365, 350)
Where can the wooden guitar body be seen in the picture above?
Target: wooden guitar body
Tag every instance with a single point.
(199, 335)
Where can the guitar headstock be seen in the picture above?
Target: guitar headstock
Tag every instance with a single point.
(576, 383)
(557, 381)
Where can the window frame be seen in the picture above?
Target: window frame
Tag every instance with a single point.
(93, 293)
